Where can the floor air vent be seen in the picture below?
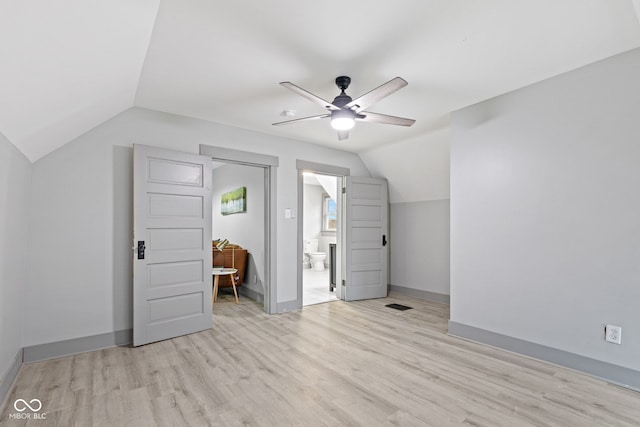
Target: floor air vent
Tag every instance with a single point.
(398, 307)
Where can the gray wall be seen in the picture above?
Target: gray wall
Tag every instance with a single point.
(80, 249)
(419, 245)
(15, 171)
(417, 170)
(244, 229)
(545, 212)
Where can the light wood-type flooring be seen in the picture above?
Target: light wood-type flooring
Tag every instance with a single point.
(333, 364)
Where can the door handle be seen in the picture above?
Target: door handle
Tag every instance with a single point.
(141, 248)
(384, 240)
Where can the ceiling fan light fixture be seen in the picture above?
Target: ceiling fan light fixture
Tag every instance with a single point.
(342, 120)
(344, 110)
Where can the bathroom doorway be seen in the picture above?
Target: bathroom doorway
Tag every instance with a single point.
(320, 201)
(319, 237)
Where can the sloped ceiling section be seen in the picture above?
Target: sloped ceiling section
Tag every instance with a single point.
(68, 66)
(417, 169)
(222, 60)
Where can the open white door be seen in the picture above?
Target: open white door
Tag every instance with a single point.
(172, 244)
(366, 233)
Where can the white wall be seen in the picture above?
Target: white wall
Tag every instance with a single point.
(312, 220)
(329, 185)
(545, 208)
(245, 229)
(80, 248)
(312, 215)
(15, 171)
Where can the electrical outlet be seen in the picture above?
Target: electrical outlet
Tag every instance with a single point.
(613, 334)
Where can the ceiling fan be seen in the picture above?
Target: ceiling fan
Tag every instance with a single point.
(344, 111)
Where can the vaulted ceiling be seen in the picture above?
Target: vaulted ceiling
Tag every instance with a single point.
(69, 65)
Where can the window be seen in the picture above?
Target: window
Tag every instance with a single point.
(329, 216)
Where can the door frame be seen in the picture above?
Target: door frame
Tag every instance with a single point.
(323, 169)
(269, 164)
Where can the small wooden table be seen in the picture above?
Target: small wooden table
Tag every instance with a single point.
(217, 272)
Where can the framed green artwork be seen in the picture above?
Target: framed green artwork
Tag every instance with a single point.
(234, 201)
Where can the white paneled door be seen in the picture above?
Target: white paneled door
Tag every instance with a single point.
(172, 244)
(366, 235)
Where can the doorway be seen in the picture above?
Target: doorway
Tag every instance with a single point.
(238, 229)
(268, 167)
(319, 237)
(320, 203)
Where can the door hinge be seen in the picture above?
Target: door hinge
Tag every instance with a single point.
(344, 282)
(344, 190)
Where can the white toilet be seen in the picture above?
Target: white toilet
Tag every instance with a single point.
(316, 258)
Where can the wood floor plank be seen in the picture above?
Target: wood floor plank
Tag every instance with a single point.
(332, 364)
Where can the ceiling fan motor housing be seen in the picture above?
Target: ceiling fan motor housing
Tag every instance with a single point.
(343, 82)
(343, 99)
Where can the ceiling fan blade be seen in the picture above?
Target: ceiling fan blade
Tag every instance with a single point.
(302, 119)
(377, 94)
(343, 134)
(367, 116)
(308, 95)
